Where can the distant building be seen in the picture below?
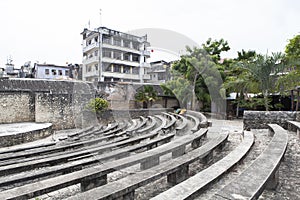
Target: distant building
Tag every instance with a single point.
(10, 70)
(49, 71)
(114, 56)
(159, 72)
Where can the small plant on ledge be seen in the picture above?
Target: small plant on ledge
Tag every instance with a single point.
(98, 105)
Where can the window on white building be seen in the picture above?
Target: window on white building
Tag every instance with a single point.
(126, 70)
(135, 45)
(47, 72)
(126, 43)
(53, 71)
(60, 72)
(89, 68)
(117, 55)
(67, 73)
(106, 40)
(117, 68)
(135, 58)
(106, 53)
(117, 41)
(126, 56)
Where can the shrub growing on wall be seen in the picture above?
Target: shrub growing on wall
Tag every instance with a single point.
(98, 105)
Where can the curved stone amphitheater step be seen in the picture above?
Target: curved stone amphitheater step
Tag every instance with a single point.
(262, 173)
(96, 175)
(176, 170)
(196, 183)
(18, 133)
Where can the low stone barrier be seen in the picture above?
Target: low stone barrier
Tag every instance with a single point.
(260, 119)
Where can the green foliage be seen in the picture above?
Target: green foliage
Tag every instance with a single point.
(181, 89)
(199, 74)
(245, 55)
(254, 73)
(292, 62)
(98, 105)
(146, 95)
(254, 103)
(292, 50)
(215, 48)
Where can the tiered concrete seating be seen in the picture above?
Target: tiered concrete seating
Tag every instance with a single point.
(97, 175)
(176, 170)
(190, 187)
(262, 173)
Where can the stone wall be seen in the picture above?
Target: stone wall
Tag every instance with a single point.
(260, 119)
(62, 103)
(16, 106)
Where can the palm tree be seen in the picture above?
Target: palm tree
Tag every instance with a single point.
(264, 69)
(146, 95)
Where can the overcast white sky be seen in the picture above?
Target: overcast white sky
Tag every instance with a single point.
(49, 30)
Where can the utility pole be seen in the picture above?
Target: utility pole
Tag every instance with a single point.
(100, 14)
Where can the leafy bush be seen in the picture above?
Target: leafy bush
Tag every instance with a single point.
(98, 105)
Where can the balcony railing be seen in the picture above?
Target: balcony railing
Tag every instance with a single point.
(146, 76)
(145, 65)
(91, 60)
(91, 46)
(146, 53)
(124, 49)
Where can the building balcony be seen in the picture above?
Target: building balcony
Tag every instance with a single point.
(145, 65)
(94, 59)
(124, 49)
(90, 47)
(121, 75)
(121, 62)
(146, 53)
(93, 73)
(146, 76)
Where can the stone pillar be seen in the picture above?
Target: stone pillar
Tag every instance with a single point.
(93, 181)
(273, 181)
(179, 151)
(128, 196)
(150, 162)
(178, 176)
(271, 132)
(208, 158)
(196, 143)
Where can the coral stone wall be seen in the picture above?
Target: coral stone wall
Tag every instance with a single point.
(61, 103)
(260, 119)
(16, 106)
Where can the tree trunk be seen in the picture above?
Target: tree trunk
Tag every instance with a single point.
(265, 93)
(145, 105)
(194, 92)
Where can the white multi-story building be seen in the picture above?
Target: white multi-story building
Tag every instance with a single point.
(110, 55)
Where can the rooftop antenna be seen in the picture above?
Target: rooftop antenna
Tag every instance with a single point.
(100, 13)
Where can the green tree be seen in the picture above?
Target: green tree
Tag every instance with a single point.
(291, 78)
(98, 105)
(292, 50)
(146, 95)
(245, 55)
(215, 47)
(203, 72)
(180, 88)
(264, 69)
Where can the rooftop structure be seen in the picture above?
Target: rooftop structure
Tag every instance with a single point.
(114, 56)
